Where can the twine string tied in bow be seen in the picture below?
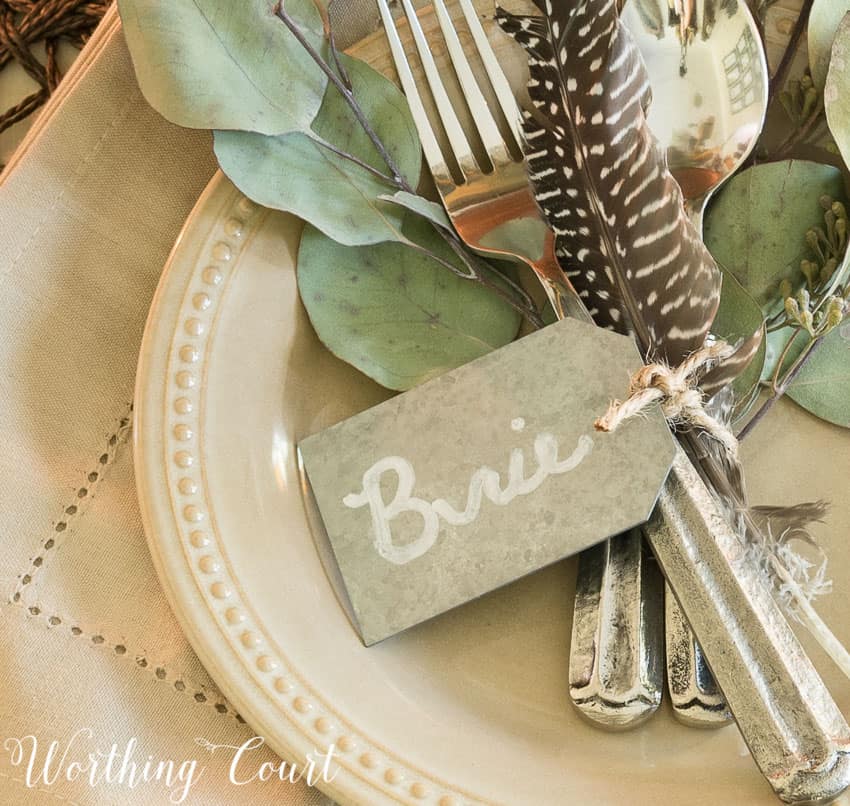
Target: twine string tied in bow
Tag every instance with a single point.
(675, 388)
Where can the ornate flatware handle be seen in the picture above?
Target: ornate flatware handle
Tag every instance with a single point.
(616, 669)
(696, 699)
(792, 726)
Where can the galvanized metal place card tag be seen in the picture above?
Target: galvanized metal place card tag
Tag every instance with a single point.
(484, 474)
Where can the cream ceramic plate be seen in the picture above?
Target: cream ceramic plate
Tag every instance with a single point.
(471, 707)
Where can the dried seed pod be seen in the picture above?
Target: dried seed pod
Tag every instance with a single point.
(810, 270)
(829, 219)
(841, 233)
(792, 309)
(812, 238)
(828, 270)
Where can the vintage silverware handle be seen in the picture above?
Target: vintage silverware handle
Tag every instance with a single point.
(616, 673)
(794, 730)
(696, 699)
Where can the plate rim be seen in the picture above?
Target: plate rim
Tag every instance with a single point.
(368, 771)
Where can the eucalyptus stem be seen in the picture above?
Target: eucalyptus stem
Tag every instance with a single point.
(347, 93)
(782, 356)
(520, 301)
(780, 387)
(772, 328)
(799, 134)
(340, 67)
(356, 160)
(483, 267)
(778, 80)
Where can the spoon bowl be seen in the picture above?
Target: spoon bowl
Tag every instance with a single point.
(709, 86)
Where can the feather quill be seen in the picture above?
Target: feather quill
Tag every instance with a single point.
(621, 230)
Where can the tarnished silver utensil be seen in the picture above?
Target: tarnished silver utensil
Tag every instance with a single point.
(709, 82)
(791, 724)
(617, 647)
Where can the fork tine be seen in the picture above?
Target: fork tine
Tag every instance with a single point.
(484, 121)
(498, 80)
(433, 153)
(445, 109)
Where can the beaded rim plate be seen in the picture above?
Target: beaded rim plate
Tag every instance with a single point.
(470, 707)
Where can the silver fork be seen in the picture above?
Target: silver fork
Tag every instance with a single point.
(794, 730)
(492, 207)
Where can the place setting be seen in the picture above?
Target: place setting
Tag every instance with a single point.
(490, 420)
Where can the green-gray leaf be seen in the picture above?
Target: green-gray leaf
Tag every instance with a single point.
(394, 313)
(823, 385)
(298, 174)
(823, 23)
(221, 64)
(757, 225)
(835, 94)
(434, 212)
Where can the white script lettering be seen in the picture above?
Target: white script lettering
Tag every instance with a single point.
(485, 482)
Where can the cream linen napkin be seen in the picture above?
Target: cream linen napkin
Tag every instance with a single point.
(90, 206)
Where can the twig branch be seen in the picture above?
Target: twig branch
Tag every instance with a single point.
(778, 80)
(781, 387)
(482, 269)
(799, 134)
(347, 94)
(340, 67)
(356, 160)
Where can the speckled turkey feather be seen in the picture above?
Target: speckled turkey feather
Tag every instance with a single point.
(622, 234)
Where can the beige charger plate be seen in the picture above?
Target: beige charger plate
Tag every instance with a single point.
(471, 707)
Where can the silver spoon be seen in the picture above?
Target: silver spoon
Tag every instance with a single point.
(709, 80)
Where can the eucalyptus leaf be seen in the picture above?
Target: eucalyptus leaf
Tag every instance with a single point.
(756, 227)
(394, 313)
(434, 212)
(823, 385)
(218, 64)
(836, 94)
(298, 173)
(738, 317)
(824, 19)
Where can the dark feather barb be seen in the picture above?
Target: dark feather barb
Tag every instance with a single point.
(602, 181)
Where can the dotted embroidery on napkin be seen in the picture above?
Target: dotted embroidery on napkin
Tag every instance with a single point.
(82, 496)
(202, 695)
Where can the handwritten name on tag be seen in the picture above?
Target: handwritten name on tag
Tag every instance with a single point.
(484, 474)
(484, 482)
